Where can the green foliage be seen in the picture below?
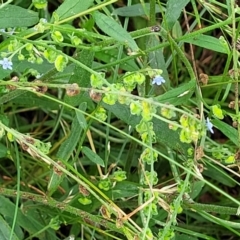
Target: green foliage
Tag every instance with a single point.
(117, 122)
(14, 16)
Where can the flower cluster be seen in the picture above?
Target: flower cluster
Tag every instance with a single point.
(192, 129)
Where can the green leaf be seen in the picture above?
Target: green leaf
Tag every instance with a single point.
(5, 230)
(164, 135)
(66, 149)
(109, 26)
(29, 224)
(177, 31)
(123, 113)
(64, 153)
(178, 95)
(217, 173)
(110, 55)
(11, 95)
(227, 130)
(3, 152)
(185, 237)
(196, 188)
(208, 42)
(14, 16)
(135, 10)
(81, 119)
(125, 189)
(20, 66)
(32, 100)
(173, 11)
(81, 77)
(72, 7)
(92, 156)
(156, 58)
(54, 182)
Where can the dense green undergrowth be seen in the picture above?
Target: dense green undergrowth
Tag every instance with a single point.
(119, 119)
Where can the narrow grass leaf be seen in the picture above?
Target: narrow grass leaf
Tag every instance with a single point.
(15, 16)
(109, 26)
(64, 153)
(178, 95)
(92, 156)
(219, 221)
(72, 7)
(227, 130)
(135, 10)
(208, 42)
(173, 11)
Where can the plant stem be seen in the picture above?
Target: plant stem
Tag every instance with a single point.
(91, 219)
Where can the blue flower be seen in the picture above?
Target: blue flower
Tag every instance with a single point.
(6, 64)
(158, 80)
(209, 126)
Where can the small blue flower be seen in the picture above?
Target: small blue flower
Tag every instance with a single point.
(158, 80)
(209, 126)
(6, 64)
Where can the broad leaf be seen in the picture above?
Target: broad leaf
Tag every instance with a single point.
(227, 130)
(3, 151)
(208, 42)
(5, 230)
(111, 56)
(178, 95)
(81, 77)
(125, 189)
(185, 236)
(92, 156)
(196, 188)
(72, 7)
(156, 58)
(31, 225)
(80, 117)
(218, 174)
(173, 11)
(32, 100)
(66, 149)
(135, 10)
(109, 26)
(15, 16)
